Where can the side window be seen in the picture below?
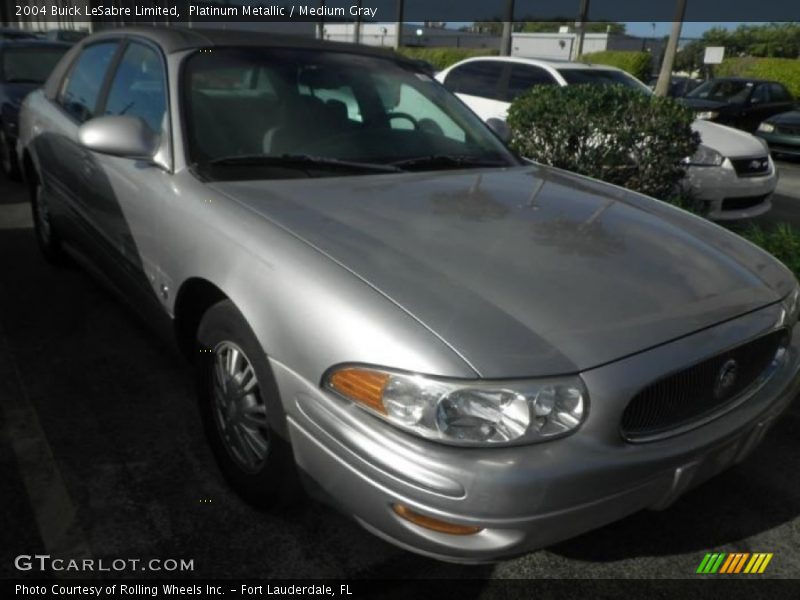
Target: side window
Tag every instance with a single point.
(760, 94)
(779, 93)
(523, 78)
(138, 87)
(82, 87)
(478, 78)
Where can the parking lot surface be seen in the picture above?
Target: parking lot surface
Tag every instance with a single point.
(102, 455)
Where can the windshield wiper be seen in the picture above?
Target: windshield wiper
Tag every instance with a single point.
(448, 160)
(298, 161)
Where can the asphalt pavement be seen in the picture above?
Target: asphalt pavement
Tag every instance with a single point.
(102, 455)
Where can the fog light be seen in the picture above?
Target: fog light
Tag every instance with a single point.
(433, 524)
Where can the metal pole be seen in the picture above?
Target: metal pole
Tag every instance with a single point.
(581, 29)
(321, 23)
(398, 39)
(505, 41)
(662, 87)
(357, 25)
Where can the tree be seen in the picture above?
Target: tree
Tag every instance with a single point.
(589, 26)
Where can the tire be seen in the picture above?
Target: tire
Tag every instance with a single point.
(47, 236)
(8, 158)
(241, 410)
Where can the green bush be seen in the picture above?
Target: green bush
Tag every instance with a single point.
(785, 70)
(637, 64)
(612, 133)
(783, 242)
(441, 58)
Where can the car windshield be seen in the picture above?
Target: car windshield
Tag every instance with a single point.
(29, 64)
(602, 77)
(276, 112)
(725, 90)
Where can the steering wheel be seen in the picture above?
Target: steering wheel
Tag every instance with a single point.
(401, 115)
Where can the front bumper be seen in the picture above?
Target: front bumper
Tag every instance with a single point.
(781, 143)
(527, 497)
(727, 195)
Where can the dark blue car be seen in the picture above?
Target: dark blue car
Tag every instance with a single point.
(24, 65)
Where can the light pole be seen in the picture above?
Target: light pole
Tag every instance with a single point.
(505, 40)
(357, 25)
(581, 28)
(662, 87)
(398, 40)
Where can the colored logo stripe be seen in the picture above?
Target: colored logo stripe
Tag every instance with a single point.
(720, 562)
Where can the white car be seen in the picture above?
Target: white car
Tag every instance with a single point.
(732, 172)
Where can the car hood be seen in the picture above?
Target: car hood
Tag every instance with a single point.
(788, 118)
(525, 271)
(727, 140)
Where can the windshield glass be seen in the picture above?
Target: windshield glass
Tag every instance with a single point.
(725, 90)
(29, 64)
(242, 104)
(602, 77)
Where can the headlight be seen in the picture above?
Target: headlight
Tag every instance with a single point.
(468, 413)
(766, 127)
(707, 114)
(705, 157)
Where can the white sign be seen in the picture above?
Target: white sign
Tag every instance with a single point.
(714, 55)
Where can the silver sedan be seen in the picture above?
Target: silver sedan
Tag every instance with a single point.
(473, 356)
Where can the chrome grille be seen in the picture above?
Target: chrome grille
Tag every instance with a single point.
(694, 393)
(751, 167)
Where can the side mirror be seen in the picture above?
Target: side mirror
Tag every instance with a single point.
(501, 128)
(121, 135)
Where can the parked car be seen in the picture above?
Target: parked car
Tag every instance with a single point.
(24, 66)
(738, 102)
(12, 33)
(70, 36)
(732, 174)
(679, 85)
(782, 133)
(472, 356)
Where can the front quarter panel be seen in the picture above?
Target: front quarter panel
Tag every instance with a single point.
(308, 312)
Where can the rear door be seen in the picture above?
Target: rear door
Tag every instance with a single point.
(479, 84)
(64, 163)
(781, 99)
(523, 78)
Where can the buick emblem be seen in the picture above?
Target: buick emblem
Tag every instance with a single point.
(758, 164)
(726, 379)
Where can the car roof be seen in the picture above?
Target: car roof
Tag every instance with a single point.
(33, 43)
(21, 33)
(543, 62)
(745, 79)
(177, 39)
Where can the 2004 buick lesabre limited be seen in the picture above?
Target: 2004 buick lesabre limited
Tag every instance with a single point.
(472, 355)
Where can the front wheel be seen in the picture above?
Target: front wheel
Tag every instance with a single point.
(46, 235)
(242, 411)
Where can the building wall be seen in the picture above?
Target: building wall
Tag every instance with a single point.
(559, 46)
(383, 34)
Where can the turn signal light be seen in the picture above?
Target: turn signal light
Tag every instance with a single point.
(361, 385)
(433, 524)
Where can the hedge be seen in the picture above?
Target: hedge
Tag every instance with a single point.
(783, 242)
(637, 64)
(785, 70)
(613, 133)
(441, 58)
